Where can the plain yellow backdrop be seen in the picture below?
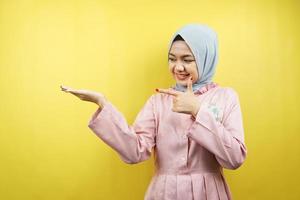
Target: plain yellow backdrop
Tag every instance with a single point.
(119, 48)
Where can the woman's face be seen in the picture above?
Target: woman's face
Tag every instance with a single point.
(182, 63)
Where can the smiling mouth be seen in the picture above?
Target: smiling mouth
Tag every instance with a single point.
(182, 76)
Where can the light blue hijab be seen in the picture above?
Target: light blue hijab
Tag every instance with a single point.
(203, 43)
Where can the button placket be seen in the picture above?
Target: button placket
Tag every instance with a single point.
(184, 157)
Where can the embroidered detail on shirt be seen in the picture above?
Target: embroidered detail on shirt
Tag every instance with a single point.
(216, 111)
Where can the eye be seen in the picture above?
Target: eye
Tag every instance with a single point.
(188, 61)
(171, 59)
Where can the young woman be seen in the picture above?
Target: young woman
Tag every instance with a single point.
(194, 128)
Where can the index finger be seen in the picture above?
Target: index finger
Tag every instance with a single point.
(167, 91)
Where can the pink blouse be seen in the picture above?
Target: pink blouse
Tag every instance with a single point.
(190, 153)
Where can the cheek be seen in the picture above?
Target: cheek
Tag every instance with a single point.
(192, 69)
(171, 68)
(195, 74)
(196, 78)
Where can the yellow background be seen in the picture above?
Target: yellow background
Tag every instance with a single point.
(119, 48)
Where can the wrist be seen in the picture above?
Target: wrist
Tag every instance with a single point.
(196, 109)
(99, 103)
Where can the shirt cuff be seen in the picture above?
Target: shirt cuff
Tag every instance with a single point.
(99, 114)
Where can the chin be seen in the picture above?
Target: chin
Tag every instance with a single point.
(180, 82)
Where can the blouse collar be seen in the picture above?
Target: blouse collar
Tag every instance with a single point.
(205, 88)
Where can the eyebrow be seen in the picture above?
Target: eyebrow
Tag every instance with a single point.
(186, 55)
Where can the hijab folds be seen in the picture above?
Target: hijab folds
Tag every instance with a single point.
(203, 43)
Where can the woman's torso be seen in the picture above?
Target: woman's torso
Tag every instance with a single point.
(183, 167)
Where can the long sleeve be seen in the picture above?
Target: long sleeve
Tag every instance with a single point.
(225, 140)
(133, 143)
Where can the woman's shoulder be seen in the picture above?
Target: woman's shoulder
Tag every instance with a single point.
(160, 98)
(225, 94)
(227, 90)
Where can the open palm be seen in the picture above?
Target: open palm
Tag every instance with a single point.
(86, 95)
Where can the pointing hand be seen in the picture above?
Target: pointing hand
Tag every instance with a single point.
(184, 102)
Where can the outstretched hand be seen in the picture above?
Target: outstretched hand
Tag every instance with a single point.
(86, 95)
(184, 102)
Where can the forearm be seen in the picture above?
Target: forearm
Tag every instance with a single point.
(133, 143)
(224, 140)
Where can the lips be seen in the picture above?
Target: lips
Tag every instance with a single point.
(182, 76)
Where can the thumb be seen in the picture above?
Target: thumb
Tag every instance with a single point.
(190, 84)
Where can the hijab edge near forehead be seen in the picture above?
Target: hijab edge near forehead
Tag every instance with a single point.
(203, 43)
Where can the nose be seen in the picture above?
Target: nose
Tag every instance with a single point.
(179, 67)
